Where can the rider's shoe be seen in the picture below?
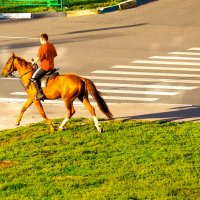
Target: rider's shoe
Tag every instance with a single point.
(40, 96)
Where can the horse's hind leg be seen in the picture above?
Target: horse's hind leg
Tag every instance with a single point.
(91, 109)
(70, 110)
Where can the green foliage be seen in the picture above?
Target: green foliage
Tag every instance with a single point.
(67, 5)
(88, 4)
(129, 160)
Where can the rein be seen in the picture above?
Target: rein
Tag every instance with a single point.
(27, 86)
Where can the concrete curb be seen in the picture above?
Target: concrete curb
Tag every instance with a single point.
(31, 15)
(108, 9)
(123, 5)
(48, 14)
(127, 4)
(15, 15)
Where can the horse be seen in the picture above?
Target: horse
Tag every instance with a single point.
(67, 86)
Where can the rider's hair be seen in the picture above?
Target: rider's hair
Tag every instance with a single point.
(44, 36)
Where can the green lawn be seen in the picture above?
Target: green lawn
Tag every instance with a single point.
(129, 160)
(68, 5)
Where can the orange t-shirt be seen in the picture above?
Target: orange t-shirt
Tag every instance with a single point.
(47, 53)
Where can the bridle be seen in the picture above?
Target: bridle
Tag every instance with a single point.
(11, 70)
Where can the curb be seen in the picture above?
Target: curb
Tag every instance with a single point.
(127, 4)
(108, 9)
(48, 14)
(123, 5)
(31, 15)
(15, 15)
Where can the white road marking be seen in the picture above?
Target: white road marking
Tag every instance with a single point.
(173, 87)
(130, 98)
(19, 93)
(129, 93)
(166, 62)
(185, 53)
(18, 37)
(24, 100)
(10, 79)
(142, 79)
(146, 73)
(174, 58)
(138, 92)
(194, 49)
(156, 68)
(110, 78)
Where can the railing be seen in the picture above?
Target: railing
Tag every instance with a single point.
(32, 3)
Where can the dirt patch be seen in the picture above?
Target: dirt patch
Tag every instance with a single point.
(6, 163)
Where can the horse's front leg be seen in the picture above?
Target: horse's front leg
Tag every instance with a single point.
(23, 109)
(42, 113)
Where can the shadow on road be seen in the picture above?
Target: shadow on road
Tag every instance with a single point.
(22, 43)
(185, 113)
(107, 28)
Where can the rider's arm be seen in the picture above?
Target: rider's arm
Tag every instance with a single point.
(35, 60)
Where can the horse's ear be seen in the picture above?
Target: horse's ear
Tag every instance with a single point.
(13, 55)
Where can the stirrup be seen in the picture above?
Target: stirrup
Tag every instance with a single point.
(39, 97)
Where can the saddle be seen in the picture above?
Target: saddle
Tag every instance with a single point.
(49, 75)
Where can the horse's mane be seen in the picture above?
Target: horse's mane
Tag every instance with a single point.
(23, 62)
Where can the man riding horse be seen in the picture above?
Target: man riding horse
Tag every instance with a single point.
(46, 55)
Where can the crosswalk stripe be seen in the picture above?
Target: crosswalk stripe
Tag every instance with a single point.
(19, 93)
(185, 53)
(174, 58)
(146, 73)
(79, 103)
(115, 91)
(194, 49)
(110, 78)
(17, 100)
(173, 87)
(14, 79)
(138, 92)
(156, 68)
(112, 81)
(130, 98)
(143, 79)
(166, 62)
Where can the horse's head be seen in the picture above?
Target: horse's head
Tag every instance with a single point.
(9, 67)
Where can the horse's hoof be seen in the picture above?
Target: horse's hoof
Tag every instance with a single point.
(52, 129)
(100, 130)
(60, 129)
(17, 123)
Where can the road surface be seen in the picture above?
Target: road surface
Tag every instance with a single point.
(141, 58)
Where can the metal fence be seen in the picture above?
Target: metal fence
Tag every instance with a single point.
(31, 3)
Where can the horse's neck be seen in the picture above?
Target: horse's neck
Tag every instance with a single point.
(24, 71)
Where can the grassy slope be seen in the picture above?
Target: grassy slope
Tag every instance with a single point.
(130, 160)
(67, 5)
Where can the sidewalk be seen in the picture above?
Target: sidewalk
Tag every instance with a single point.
(134, 111)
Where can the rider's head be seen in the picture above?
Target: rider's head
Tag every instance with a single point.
(43, 38)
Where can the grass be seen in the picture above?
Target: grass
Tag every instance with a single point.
(130, 160)
(69, 5)
(17, 9)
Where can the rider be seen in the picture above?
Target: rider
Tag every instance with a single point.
(46, 55)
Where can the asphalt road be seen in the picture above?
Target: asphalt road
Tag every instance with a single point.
(149, 54)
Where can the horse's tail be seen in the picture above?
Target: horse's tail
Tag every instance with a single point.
(98, 98)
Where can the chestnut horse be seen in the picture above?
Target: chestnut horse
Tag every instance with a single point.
(68, 87)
